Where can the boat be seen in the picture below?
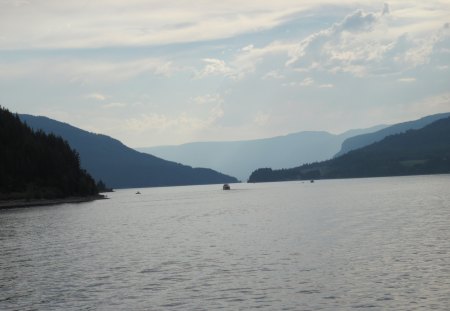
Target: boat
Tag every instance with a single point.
(138, 192)
(226, 187)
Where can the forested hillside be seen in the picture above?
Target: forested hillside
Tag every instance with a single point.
(366, 139)
(119, 166)
(35, 165)
(423, 151)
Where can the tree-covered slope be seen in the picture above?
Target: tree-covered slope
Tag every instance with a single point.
(35, 165)
(119, 166)
(366, 139)
(423, 151)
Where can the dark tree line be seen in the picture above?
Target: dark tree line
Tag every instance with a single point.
(38, 165)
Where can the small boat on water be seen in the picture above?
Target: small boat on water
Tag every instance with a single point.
(226, 187)
(138, 192)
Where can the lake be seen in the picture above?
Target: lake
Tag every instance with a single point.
(364, 244)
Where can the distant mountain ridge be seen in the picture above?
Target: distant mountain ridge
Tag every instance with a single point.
(420, 151)
(119, 166)
(362, 140)
(240, 158)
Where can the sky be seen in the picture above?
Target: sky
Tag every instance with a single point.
(164, 72)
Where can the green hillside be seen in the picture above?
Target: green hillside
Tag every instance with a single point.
(415, 152)
(35, 165)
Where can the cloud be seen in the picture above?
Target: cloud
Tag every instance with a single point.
(407, 80)
(208, 99)
(361, 44)
(245, 61)
(88, 70)
(183, 122)
(51, 24)
(96, 96)
(339, 45)
(215, 67)
(113, 71)
(274, 74)
(114, 105)
(203, 113)
(307, 82)
(339, 48)
(358, 21)
(326, 86)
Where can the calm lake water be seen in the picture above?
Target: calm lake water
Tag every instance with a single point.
(364, 244)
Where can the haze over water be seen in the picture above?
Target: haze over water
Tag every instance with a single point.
(365, 244)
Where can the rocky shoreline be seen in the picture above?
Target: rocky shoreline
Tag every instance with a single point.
(42, 202)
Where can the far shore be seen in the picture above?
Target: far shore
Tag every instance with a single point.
(42, 202)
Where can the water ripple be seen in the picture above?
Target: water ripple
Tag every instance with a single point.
(371, 244)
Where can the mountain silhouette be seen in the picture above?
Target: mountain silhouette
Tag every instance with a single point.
(415, 152)
(119, 166)
(362, 140)
(240, 158)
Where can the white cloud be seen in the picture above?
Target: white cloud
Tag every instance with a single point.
(215, 67)
(245, 61)
(341, 45)
(183, 122)
(307, 82)
(208, 99)
(407, 80)
(274, 74)
(326, 86)
(62, 24)
(360, 44)
(366, 44)
(203, 113)
(114, 105)
(97, 96)
(80, 70)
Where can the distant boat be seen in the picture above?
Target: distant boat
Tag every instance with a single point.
(138, 192)
(312, 180)
(226, 187)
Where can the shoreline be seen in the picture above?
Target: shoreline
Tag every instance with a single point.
(43, 202)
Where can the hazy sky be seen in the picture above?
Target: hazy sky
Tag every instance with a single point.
(161, 72)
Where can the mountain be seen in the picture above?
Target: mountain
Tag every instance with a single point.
(359, 141)
(240, 158)
(415, 152)
(35, 165)
(119, 166)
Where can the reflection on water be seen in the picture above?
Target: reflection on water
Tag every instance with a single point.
(362, 244)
